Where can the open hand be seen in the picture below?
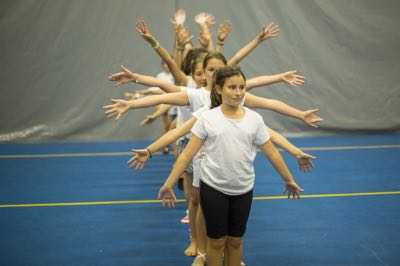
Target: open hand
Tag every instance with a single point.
(168, 196)
(292, 189)
(139, 159)
(292, 78)
(310, 118)
(305, 161)
(269, 31)
(224, 30)
(118, 108)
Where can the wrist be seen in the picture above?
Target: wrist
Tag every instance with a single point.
(132, 104)
(135, 77)
(148, 150)
(168, 186)
(155, 44)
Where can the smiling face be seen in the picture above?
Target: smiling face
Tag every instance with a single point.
(233, 90)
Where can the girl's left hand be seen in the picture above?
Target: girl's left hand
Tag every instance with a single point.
(292, 78)
(310, 118)
(305, 161)
(292, 189)
(168, 196)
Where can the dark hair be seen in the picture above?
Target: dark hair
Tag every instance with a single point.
(214, 55)
(199, 59)
(219, 78)
(190, 58)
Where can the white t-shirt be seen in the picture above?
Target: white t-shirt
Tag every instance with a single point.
(183, 114)
(191, 83)
(165, 77)
(198, 98)
(229, 149)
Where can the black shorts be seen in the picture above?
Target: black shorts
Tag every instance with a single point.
(224, 215)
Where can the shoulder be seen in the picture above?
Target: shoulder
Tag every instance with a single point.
(209, 115)
(253, 114)
(197, 114)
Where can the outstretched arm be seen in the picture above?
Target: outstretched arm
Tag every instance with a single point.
(156, 114)
(127, 76)
(256, 102)
(166, 191)
(279, 164)
(267, 32)
(304, 160)
(120, 106)
(179, 76)
(289, 77)
(142, 155)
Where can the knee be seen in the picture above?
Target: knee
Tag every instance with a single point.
(234, 242)
(216, 243)
(194, 197)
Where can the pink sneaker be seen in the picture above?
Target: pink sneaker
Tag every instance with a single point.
(185, 219)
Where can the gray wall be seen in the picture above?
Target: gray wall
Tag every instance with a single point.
(56, 55)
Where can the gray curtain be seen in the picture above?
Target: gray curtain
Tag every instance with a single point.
(56, 56)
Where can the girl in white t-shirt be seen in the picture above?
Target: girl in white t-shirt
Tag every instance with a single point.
(197, 98)
(229, 134)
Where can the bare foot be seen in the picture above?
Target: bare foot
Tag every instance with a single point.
(191, 250)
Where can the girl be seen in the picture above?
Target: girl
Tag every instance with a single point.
(229, 134)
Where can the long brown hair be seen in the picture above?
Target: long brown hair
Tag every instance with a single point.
(190, 57)
(219, 77)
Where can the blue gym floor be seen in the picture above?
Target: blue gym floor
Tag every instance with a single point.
(80, 204)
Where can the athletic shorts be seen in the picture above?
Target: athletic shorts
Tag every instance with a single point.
(225, 215)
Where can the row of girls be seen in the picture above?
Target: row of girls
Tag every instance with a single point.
(217, 133)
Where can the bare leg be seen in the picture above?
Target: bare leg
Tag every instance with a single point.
(215, 249)
(233, 250)
(193, 205)
(201, 237)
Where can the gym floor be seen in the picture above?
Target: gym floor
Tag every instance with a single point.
(80, 204)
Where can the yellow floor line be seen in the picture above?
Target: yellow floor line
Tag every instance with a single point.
(61, 204)
(94, 154)
(57, 155)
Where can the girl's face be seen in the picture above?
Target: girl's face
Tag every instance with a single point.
(198, 76)
(233, 90)
(212, 65)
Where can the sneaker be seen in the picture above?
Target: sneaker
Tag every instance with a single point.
(185, 219)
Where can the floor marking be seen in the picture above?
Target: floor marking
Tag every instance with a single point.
(94, 154)
(63, 204)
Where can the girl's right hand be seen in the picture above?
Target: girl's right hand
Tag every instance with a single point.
(118, 108)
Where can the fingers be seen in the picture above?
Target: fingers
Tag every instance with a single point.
(309, 156)
(125, 69)
(116, 76)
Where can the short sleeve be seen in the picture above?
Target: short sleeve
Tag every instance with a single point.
(261, 134)
(191, 95)
(197, 114)
(199, 129)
